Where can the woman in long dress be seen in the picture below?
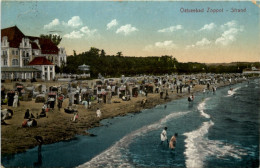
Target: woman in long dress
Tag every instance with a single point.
(15, 102)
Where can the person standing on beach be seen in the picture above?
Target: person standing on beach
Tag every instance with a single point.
(146, 92)
(15, 102)
(164, 135)
(161, 92)
(173, 141)
(60, 100)
(39, 139)
(98, 113)
(181, 88)
(27, 114)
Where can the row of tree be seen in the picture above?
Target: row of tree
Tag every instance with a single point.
(117, 65)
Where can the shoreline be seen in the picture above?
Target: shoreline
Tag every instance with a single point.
(58, 127)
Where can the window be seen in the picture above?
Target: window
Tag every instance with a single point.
(5, 61)
(15, 62)
(17, 52)
(13, 52)
(25, 62)
(4, 52)
(23, 53)
(27, 54)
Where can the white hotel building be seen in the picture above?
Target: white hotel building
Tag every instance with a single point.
(27, 57)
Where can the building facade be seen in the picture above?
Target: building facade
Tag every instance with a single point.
(19, 50)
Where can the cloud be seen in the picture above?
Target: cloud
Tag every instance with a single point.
(75, 21)
(208, 26)
(228, 36)
(231, 30)
(126, 29)
(199, 44)
(170, 29)
(203, 42)
(54, 22)
(84, 31)
(74, 35)
(112, 24)
(166, 45)
(230, 24)
(87, 31)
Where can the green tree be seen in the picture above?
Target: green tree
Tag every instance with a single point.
(94, 51)
(103, 53)
(119, 54)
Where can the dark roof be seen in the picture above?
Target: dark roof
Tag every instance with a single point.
(34, 45)
(14, 36)
(18, 69)
(40, 61)
(48, 47)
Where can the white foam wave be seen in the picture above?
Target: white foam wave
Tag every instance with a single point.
(231, 93)
(201, 108)
(112, 157)
(199, 147)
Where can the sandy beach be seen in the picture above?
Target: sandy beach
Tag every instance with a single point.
(57, 126)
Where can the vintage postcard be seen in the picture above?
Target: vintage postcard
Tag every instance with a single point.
(130, 84)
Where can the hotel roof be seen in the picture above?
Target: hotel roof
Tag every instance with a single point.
(15, 37)
(40, 61)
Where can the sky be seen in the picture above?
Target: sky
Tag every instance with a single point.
(145, 28)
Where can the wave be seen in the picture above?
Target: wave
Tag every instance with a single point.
(201, 108)
(198, 147)
(231, 93)
(115, 155)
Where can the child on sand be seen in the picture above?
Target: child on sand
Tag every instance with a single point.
(76, 117)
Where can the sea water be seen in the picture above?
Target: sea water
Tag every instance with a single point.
(215, 130)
